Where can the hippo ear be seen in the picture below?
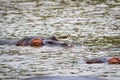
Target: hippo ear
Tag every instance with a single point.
(36, 42)
(114, 60)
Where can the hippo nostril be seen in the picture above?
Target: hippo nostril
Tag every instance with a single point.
(64, 45)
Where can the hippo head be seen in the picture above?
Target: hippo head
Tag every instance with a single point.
(96, 60)
(54, 43)
(38, 42)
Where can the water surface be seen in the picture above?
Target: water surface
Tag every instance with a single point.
(92, 23)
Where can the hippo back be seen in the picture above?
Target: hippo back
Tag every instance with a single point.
(8, 42)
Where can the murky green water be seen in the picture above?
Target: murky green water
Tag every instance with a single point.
(93, 23)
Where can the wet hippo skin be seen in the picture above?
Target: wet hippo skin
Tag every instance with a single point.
(35, 42)
(62, 78)
(108, 60)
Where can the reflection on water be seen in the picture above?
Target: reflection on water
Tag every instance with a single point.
(93, 23)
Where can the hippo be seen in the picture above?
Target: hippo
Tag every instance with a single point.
(62, 78)
(35, 42)
(108, 60)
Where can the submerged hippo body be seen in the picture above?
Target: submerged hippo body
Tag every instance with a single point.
(34, 42)
(62, 78)
(108, 60)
